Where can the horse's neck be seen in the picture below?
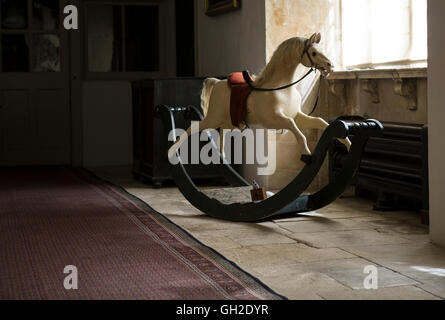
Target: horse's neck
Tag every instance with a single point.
(282, 75)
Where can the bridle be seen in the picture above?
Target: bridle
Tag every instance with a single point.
(248, 79)
(306, 52)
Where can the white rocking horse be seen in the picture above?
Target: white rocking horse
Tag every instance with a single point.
(271, 109)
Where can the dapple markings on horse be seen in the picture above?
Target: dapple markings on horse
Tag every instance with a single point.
(270, 110)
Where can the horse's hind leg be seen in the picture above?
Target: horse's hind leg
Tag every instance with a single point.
(307, 122)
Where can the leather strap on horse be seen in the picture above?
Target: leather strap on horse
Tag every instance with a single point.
(318, 97)
(249, 81)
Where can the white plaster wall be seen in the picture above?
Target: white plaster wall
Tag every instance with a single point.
(436, 115)
(231, 42)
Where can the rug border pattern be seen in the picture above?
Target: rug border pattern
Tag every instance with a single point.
(231, 277)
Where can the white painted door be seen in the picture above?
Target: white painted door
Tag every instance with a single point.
(35, 125)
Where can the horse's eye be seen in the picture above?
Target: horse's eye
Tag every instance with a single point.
(314, 54)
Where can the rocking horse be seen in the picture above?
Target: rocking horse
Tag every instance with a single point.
(269, 100)
(277, 108)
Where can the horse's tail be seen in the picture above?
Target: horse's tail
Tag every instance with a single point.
(207, 89)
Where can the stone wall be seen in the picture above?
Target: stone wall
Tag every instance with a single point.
(345, 92)
(247, 39)
(286, 19)
(348, 93)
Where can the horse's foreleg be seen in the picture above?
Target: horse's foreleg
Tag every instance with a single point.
(289, 124)
(307, 122)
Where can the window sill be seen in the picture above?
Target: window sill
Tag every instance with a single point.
(380, 74)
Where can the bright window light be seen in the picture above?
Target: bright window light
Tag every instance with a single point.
(379, 33)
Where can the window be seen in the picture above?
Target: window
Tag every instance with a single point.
(29, 36)
(123, 38)
(384, 33)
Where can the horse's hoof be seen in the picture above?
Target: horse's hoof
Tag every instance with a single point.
(307, 158)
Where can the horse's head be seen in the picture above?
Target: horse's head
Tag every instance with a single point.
(313, 58)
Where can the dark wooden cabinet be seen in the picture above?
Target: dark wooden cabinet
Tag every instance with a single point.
(149, 138)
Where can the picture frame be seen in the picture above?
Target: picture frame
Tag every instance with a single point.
(218, 7)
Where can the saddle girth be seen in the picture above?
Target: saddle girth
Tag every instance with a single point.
(240, 91)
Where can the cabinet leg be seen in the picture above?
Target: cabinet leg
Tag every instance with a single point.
(157, 183)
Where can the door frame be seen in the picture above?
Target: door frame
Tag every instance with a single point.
(76, 62)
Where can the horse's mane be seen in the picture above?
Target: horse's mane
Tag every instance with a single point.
(284, 56)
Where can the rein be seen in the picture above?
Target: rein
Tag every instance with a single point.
(248, 80)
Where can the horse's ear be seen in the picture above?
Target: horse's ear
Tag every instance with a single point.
(313, 38)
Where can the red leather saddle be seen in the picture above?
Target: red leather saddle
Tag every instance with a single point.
(240, 91)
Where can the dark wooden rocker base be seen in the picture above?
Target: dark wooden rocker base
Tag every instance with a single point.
(306, 158)
(289, 200)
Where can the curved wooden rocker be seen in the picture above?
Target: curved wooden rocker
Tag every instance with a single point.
(289, 200)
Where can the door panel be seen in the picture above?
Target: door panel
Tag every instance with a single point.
(35, 116)
(53, 129)
(52, 118)
(16, 125)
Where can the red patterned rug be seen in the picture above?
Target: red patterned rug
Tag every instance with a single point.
(51, 218)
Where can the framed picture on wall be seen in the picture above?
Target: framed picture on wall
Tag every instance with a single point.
(217, 7)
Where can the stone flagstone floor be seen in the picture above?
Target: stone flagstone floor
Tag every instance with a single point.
(321, 255)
